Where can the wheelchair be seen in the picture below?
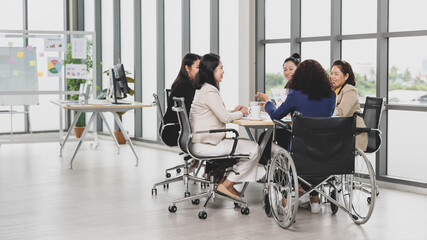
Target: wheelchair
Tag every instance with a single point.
(321, 148)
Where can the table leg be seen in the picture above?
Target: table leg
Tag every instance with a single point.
(69, 131)
(119, 123)
(111, 132)
(250, 135)
(82, 138)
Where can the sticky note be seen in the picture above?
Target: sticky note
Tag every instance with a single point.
(41, 54)
(29, 48)
(40, 74)
(10, 44)
(11, 60)
(15, 73)
(20, 54)
(32, 63)
(30, 56)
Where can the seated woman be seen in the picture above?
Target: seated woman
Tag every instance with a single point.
(208, 112)
(311, 95)
(282, 136)
(183, 86)
(343, 82)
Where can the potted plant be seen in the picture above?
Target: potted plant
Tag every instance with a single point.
(74, 84)
(117, 133)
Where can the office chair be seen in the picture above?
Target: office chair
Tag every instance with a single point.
(185, 143)
(372, 116)
(187, 159)
(322, 151)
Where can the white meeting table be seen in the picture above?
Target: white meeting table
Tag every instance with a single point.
(98, 107)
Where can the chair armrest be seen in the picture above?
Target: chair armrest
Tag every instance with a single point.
(236, 136)
(282, 124)
(170, 124)
(360, 130)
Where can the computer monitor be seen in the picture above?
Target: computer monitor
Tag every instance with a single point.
(119, 82)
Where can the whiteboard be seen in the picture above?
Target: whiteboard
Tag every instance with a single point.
(18, 72)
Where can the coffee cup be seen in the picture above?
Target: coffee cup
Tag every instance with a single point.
(255, 112)
(252, 104)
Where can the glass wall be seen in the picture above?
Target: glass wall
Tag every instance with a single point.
(199, 26)
(353, 22)
(278, 19)
(320, 51)
(407, 15)
(315, 18)
(229, 50)
(149, 67)
(275, 55)
(173, 40)
(127, 55)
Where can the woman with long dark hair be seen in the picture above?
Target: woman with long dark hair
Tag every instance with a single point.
(208, 112)
(183, 86)
(310, 94)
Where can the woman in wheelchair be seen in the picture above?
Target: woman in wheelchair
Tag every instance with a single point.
(311, 95)
(208, 112)
(347, 102)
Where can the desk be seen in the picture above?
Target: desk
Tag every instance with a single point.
(98, 107)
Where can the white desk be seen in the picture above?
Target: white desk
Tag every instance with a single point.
(98, 107)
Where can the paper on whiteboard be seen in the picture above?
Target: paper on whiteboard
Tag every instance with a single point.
(76, 71)
(54, 44)
(78, 48)
(279, 95)
(54, 66)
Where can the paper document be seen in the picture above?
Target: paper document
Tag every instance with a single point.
(279, 95)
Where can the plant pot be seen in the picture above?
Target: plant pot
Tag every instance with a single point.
(78, 131)
(119, 136)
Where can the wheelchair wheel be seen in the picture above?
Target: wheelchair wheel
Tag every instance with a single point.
(282, 177)
(358, 188)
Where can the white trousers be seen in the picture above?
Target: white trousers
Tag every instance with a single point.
(246, 167)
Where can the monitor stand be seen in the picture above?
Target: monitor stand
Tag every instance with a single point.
(115, 96)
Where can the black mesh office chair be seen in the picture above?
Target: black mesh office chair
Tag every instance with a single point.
(372, 116)
(187, 159)
(322, 156)
(185, 143)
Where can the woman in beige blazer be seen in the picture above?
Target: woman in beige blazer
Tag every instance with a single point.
(343, 82)
(208, 112)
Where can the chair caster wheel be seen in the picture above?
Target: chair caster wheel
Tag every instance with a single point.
(168, 175)
(186, 194)
(154, 191)
(172, 208)
(245, 211)
(237, 205)
(178, 170)
(195, 201)
(166, 185)
(203, 215)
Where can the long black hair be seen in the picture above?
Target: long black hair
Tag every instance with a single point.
(187, 60)
(311, 79)
(207, 66)
(294, 58)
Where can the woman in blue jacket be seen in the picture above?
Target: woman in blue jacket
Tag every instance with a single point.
(310, 94)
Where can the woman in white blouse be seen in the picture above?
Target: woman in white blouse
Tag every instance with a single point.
(208, 112)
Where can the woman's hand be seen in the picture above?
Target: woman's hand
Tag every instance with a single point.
(241, 108)
(263, 97)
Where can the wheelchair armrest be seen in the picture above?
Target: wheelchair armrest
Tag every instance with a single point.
(282, 124)
(361, 130)
(236, 136)
(358, 114)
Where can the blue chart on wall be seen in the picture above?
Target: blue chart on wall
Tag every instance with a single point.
(18, 72)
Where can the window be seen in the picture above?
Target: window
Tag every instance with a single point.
(406, 154)
(229, 50)
(149, 67)
(107, 22)
(11, 16)
(275, 55)
(45, 15)
(319, 51)
(199, 26)
(315, 18)
(89, 15)
(361, 54)
(407, 15)
(407, 76)
(173, 40)
(277, 19)
(352, 20)
(127, 54)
